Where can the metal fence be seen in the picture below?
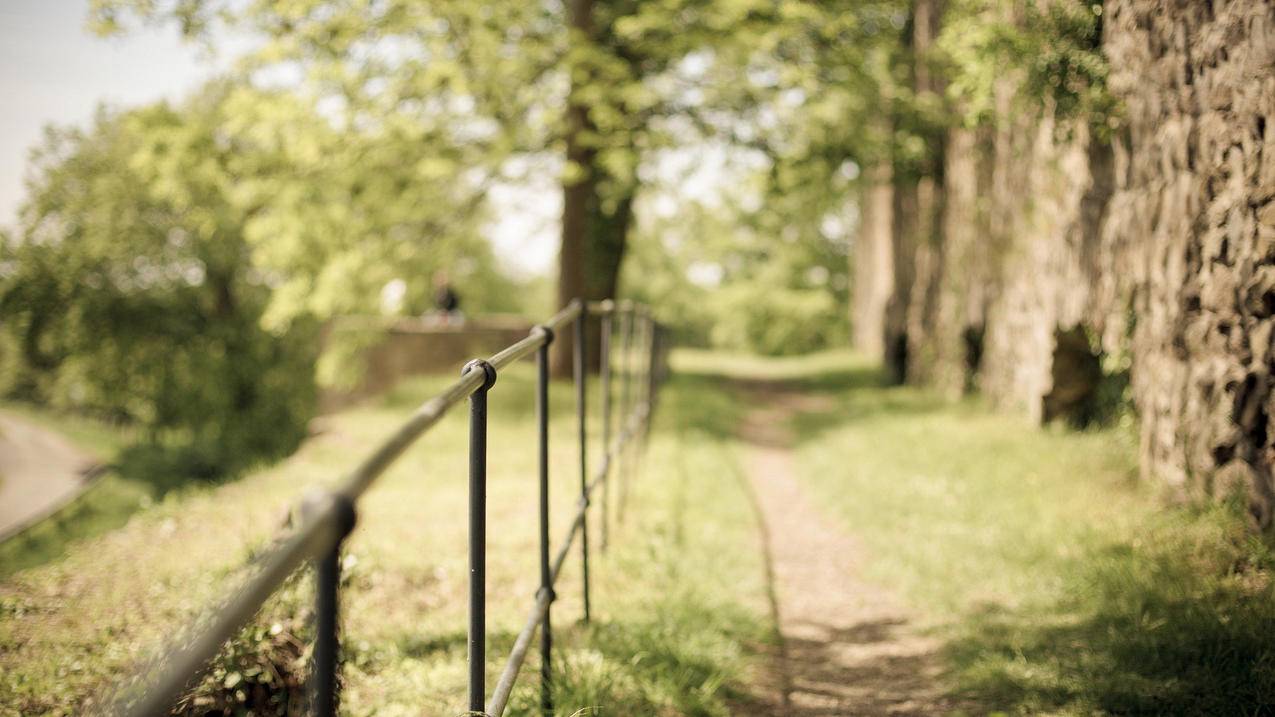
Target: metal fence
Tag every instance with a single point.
(327, 517)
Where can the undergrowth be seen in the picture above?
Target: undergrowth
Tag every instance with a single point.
(678, 597)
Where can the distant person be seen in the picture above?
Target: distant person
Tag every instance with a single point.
(446, 300)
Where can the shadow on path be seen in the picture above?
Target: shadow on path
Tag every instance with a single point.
(846, 647)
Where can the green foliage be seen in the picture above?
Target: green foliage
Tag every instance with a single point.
(130, 294)
(462, 92)
(379, 129)
(787, 322)
(1052, 49)
(745, 281)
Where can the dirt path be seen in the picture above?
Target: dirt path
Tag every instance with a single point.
(39, 472)
(847, 647)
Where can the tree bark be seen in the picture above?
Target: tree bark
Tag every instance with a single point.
(917, 199)
(873, 262)
(579, 190)
(597, 213)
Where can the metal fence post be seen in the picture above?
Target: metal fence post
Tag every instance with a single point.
(327, 644)
(605, 380)
(546, 579)
(582, 375)
(652, 372)
(330, 516)
(478, 534)
(640, 389)
(626, 407)
(648, 366)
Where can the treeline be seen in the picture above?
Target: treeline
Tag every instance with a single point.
(175, 262)
(173, 265)
(1061, 203)
(1075, 218)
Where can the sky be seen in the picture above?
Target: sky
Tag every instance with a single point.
(53, 70)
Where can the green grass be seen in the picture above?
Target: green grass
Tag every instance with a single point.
(1057, 581)
(1060, 584)
(678, 600)
(106, 506)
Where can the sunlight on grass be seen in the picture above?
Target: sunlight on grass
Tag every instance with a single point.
(834, 368)
(1060, 583)
(678, 600)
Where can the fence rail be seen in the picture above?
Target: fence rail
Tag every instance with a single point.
(327, 517)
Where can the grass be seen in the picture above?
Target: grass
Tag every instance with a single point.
(106, 506)
(136, 477)
(678, 599)
(1059, 582)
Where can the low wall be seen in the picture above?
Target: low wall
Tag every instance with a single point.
(390, 350)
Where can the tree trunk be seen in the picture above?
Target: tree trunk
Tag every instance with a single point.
(873, 262)
(597, 213)
(1190, 231)
(914, 226)
(578, 192)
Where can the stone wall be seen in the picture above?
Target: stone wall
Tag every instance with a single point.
(1158, 245)
(391, 350)
(1190, 236)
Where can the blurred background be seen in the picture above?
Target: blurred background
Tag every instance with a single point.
(229, 226)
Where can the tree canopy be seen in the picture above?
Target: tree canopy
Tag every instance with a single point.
(355, 146)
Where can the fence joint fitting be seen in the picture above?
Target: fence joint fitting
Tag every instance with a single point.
(344, 514)
(489, 372)
(545, 331)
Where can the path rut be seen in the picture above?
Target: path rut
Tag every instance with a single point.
(847, 646)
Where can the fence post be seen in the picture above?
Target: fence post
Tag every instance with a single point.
(641, 390)
(582, 375)
(546, 581)
(327, 583)
(478, 533)
(626, 406)
(605, 380)
(653, 370)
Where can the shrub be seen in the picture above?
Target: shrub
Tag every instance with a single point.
(129, 293)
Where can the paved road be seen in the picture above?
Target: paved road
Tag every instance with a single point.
(39, 471)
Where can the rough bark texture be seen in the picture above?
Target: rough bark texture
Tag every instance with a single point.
(960, 286)
(1192, 226)
(578, 193)
(903, 251)
(1047, 259)
(915, 243)
(927, 267)
(594, 231)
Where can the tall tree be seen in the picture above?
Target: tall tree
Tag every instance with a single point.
(130, 291)
(579, 182)
(493, 81)
(424, 105)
